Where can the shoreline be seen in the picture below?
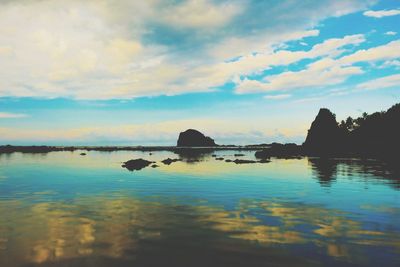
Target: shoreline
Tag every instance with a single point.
(44, 149)
(264, 151)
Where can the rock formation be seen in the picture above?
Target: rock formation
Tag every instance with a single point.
(194, 138)
(324, 137)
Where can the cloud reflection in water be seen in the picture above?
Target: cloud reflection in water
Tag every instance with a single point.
(129, 229)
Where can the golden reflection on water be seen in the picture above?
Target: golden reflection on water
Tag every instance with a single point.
(332, 229)
(117, 227)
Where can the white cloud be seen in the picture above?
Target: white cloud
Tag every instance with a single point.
(318, 74)
(392, 33)
(382, 13)
(256, 63)
(384, 52)
(381, 83)
(242, 46)
(326, 71)
(277, 97)
(390, 63)
(334, 47)
(7, 115)
(201, 14)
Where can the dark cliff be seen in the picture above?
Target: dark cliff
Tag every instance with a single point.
(324, 136)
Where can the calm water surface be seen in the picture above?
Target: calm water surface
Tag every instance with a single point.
(63, 209)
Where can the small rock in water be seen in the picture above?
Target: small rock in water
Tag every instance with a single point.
(136, 164)
(168, 161)
(154, 166)
(243, 161)
(219, 158)
(264, 161)
(83, 154)
(228, 160)
(239, 155)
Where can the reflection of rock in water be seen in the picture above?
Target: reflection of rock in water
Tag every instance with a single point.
(325, 169)
(372, 169)
(194, 154)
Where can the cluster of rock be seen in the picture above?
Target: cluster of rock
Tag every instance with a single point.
(138, 164)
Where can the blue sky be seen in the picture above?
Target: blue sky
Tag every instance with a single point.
(242, 71)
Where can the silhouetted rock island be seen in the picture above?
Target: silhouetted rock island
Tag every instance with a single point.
(194, 138)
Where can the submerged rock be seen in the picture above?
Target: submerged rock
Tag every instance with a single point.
(83, 154)
(219, 158)
(194, 138)
(136, 164)
(238, 155)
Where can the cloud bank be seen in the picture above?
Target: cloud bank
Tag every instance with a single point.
(124, 49)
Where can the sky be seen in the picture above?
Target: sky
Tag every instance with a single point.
(119, 72)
